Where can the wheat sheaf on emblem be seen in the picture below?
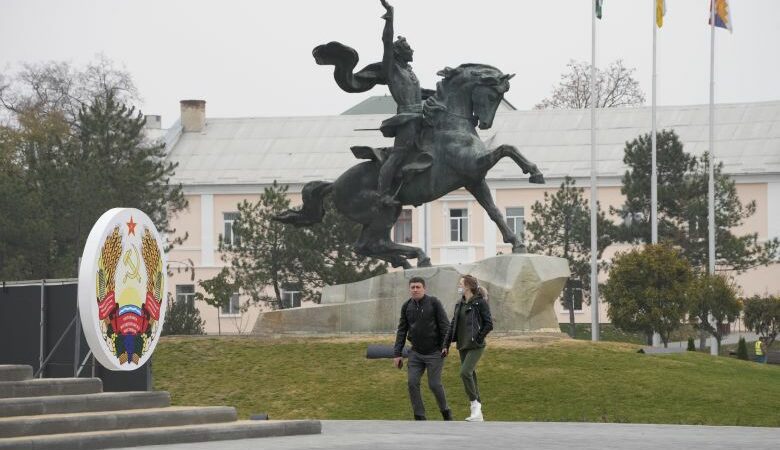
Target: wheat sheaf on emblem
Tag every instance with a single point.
(153, 262)
(109, 259)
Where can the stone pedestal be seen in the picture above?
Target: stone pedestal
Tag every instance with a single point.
(522, 291)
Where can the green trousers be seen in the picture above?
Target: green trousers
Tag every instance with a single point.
(468, 362)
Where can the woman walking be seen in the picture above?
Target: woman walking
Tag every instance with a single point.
(471, 322)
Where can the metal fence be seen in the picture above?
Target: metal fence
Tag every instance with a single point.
(40, 327)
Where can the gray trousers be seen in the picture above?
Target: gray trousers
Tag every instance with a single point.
(415, 367)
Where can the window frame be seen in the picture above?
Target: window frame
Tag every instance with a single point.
(231, 312)
(459, 225)
(234, 240)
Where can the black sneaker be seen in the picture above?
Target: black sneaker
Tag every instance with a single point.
(416, 417)
(446, 414)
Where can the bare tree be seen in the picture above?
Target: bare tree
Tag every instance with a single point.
(59, 87)
(615, 86)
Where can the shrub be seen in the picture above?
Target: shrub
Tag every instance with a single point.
(182, 318)
(742, 351)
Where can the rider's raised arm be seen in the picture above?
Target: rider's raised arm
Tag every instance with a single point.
(387, 41)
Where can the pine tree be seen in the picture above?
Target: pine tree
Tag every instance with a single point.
(280, 256)
(75, 147)
(682, 207)
(268, 253)
(561, 227)
(331, 254)
(181, 318)
(742, 351)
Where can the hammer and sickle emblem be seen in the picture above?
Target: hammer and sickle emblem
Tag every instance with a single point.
(132, 261)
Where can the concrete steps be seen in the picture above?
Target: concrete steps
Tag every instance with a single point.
(113, 420)
(163, 435)
(15, 373)
(74, 413)
(68, 404)
(50, 386)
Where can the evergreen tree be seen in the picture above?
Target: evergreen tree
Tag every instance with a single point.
(280, 256)
(682, 207)
(74, 148)
(181, 318)
(268, 252)
(561, 227)
(742, 351)
(330, 255)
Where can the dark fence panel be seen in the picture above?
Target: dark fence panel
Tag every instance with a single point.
(20, 317)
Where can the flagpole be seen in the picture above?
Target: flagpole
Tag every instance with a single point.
(653, 165)
(594, 282)
(711, 168)
(654, 170)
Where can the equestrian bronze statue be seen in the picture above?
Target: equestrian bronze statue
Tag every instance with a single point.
(436, 148)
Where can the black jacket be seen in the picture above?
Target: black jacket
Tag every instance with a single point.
(425, 323)
(478, 320)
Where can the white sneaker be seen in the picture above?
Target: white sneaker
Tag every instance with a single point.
(476, 412)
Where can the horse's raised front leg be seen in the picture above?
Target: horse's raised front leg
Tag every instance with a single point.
(511, 151)
(481, 192)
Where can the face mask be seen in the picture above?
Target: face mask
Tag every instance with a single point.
(460, 291)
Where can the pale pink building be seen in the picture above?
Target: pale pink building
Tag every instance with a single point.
(223, 161)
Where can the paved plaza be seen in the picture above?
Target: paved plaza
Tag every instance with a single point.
(399, 435)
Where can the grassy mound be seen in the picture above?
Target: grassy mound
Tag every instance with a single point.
(560, 381)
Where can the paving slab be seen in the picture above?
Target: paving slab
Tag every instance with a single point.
(401, 435)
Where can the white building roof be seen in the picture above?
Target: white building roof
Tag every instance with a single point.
(293, 150)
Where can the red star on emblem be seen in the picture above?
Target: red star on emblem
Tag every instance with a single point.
(131, 226)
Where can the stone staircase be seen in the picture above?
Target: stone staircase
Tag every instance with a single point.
(75, 413)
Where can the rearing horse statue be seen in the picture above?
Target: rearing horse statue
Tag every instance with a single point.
(451, 156)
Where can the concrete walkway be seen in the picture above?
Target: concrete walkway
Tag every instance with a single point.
(731, 338)
(399, 435)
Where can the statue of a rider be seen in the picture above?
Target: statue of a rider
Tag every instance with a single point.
(397, 74)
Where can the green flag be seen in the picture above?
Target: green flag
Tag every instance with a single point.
(599, 5)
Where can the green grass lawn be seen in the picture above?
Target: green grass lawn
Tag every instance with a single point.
(565, 381)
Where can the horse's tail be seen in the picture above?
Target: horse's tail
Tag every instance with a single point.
(313, 208)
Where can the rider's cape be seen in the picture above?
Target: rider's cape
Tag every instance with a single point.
(344, 59)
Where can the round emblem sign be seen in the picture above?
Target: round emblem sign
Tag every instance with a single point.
(121, 288)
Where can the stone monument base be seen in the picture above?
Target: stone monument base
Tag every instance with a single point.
(522, 291)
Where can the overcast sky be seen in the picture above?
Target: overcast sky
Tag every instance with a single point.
(253, 58)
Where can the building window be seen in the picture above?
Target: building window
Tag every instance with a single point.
(516, 220)
(459, 225)
(186, 293)
(291, 298)
(233, 308)
(402, 233)
(572, 293)
(230, 237)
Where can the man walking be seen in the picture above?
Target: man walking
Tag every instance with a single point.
(424, 322)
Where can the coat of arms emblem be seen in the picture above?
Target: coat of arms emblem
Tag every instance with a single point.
(121, 288)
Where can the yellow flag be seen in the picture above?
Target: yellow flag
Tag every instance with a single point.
(660, 11)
